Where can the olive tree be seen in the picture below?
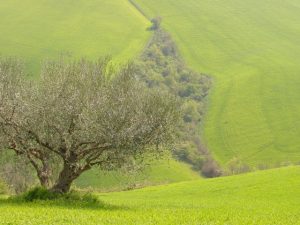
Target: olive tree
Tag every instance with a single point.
(81, 115)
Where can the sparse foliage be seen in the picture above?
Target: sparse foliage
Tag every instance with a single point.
(237, 166)
(3, 187)
(211, 169)
(16, 172)
(80, 115)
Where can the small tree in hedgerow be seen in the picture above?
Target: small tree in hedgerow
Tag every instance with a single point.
(81, 115)
(156, 23)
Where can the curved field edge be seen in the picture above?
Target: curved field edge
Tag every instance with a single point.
(264, 197)
(51, 28)
(161, 172)
(251, 48)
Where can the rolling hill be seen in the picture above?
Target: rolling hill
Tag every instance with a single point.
(161, 172)
(264, 197)
(35, 30)
(252, 49)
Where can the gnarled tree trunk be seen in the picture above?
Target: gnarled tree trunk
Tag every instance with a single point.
(44, 177)
(66, 177)
(42, 166)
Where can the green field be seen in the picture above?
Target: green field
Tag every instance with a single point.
(252, 49)
(161, 172)
(39, 29)
(266, 197)
(35, 30)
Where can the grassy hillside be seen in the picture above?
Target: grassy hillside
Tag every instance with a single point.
(252, 49)
(265, 197)
(161, 172)
(35, 29)
(90, 28)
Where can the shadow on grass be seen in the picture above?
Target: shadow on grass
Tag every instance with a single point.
(62, 203)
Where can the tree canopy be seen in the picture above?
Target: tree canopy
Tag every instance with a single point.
(82, 114)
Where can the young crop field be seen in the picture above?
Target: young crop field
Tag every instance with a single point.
(265, 197)
(161, 172)
(36, 30)
(252, 49)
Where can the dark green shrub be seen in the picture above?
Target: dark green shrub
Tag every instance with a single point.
(211, 169)
(42, 194)
(156, 23)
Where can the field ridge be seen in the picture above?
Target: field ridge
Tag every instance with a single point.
(139, 9)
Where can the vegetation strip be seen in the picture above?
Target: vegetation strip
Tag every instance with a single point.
(160, 65)
(252, 49)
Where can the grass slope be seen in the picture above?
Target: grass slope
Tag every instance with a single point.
(161, 172)
(265, 197)
(35, 29)
(252, 49)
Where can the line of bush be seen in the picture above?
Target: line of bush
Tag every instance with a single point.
(160, 65)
